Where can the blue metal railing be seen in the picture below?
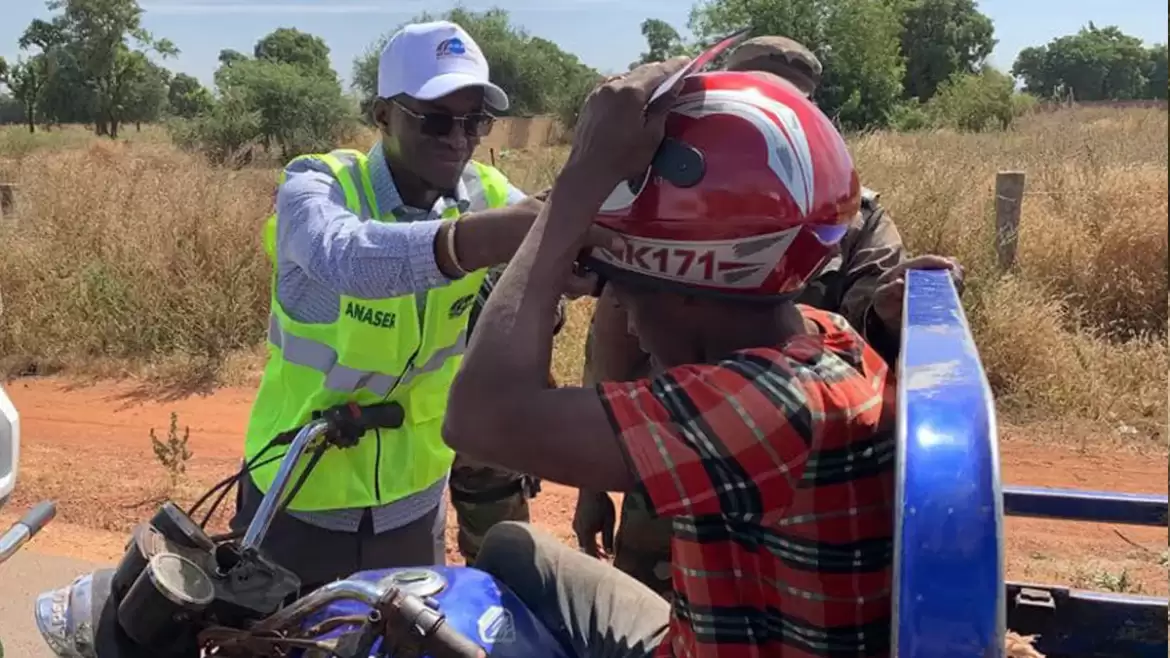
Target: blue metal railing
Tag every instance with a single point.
(950, 597)
(948, 567)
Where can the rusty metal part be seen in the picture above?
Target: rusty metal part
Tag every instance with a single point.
(232, 642)
(333, 623)
(407, 625)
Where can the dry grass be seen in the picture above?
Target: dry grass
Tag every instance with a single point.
(133, 256)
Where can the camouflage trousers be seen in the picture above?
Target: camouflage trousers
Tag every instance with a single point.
(484, 495)
(642, 545)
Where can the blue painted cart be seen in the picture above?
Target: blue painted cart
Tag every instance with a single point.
(951, 599)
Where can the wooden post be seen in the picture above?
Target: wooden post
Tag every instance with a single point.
(1009, 199)
(492, 153)
(7, 198)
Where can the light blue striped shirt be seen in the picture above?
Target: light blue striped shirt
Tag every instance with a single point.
(324, 251)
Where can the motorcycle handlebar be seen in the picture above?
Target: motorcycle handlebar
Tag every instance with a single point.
(349, 419)
(26, 528)
(355, 419)
(439, 639)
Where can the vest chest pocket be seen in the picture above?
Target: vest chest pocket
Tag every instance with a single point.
(377, 337)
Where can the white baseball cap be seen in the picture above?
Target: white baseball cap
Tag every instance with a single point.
(430, 60)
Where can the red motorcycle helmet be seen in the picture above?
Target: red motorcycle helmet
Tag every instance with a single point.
(748, 196)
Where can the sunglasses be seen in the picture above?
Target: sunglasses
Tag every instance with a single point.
(440, 124)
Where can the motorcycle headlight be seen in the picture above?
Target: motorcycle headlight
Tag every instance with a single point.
(68, 617)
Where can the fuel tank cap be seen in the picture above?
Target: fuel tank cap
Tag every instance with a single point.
(418, 582)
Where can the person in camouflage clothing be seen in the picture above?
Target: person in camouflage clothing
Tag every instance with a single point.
(482, 494)
(863, 283)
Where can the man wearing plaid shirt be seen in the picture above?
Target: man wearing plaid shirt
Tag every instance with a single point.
(767, 439)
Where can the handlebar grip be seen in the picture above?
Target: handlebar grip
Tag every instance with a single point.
(38, 517)
(447, 642)
(384, 415)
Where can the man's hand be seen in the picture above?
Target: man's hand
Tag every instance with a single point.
(595, 514)
(615, 138)
(887, 299)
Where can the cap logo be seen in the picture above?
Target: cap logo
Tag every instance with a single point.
(450, 47)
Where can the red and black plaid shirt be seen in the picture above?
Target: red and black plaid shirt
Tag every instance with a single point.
(777, 469)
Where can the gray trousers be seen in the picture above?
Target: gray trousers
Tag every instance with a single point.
(595, 610)
(319, 556)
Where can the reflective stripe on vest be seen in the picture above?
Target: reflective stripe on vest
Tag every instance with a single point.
(343, 379)
(376, 350)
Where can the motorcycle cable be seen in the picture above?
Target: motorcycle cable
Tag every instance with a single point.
(224, 486)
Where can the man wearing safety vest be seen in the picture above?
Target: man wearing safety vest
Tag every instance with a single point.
(377, 261)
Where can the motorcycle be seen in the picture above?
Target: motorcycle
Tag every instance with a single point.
(178, 592)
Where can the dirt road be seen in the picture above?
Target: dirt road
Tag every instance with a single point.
(88, 447)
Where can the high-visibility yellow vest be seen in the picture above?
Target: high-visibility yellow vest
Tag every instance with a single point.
(376, 351)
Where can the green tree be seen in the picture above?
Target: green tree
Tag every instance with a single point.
(11, 110)
(939, 39)
(291, 46)
(25, 80)
(66, 97)
(287, 97)
(228, 56)
(1155, 72)
(90, 43)
(857, 42)
(145, 97)
(662, 42)
(187, 97)
(299, 111)
(1093, 64)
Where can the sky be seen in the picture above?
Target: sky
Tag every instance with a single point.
(603, 33)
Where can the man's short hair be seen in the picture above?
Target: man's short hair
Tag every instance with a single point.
(780, 56)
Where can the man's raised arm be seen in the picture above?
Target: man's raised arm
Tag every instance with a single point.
(376, 260)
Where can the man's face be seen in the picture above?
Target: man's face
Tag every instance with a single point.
(433, 139)
(663, 322)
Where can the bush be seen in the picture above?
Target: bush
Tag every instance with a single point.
(223, 134)
(974, 102)
(1024, 104)
(909, 116)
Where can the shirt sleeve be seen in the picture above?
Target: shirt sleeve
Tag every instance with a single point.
(877, 250)
(336, 248)
(730, 439)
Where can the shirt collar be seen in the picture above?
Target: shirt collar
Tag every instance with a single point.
(390, 201)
